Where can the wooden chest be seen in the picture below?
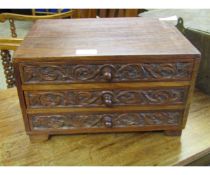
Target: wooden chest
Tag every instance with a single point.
(104, 75)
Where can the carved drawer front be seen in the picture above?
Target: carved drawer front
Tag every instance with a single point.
(105, 120)
(106, 98)
(44, 73)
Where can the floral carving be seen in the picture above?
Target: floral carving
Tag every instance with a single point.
(70, 98)
(117, 120)
(85, 73)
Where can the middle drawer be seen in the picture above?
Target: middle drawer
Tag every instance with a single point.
(106, 98)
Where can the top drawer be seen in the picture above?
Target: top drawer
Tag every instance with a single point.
(46, 73)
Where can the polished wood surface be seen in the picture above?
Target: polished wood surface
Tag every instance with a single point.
(126, 56)
(103, 149)
(107, 36)
(105, 97)
(105, 71)
(105, 86)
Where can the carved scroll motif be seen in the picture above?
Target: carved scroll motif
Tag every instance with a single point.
(76, 121)
(95, 98)
(66, 73)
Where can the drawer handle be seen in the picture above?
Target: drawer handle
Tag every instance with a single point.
(107, 74)
(107, 99)
(108, 122)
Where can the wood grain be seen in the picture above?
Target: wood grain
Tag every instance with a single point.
(104, 72)
(123, 54)
(108, 36)
(106, 86)
(110, 121)
(103, 149)
(105, 109)
(191, 89)
(103, 98)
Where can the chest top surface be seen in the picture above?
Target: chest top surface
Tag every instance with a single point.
(62, 38)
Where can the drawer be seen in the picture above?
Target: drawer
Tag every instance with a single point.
(106, 98)
(74, 121)
(46, 73)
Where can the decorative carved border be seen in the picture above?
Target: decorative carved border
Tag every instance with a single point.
(115, 120)
(84, 73)
(100, 98)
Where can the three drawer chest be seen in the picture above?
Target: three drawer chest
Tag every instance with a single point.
(104, 75)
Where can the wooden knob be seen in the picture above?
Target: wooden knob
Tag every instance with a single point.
(107, 98)
(108, 121)
(107, 75)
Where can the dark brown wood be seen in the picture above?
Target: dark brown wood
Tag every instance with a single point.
(105, 75)
(104, 120)
(70, 73)
(86, 13)
(105, 37)
(112, 12)
(190, 94)
(21, 96)
(106, 98)
(103, 13)
(121, 13)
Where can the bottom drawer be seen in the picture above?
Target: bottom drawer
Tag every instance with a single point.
(70, 121)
